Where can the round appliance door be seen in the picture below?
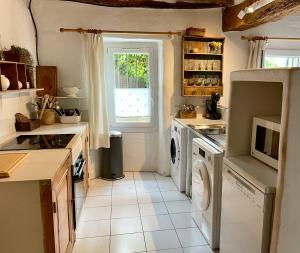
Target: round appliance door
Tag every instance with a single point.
(175, 151)
(202, 186)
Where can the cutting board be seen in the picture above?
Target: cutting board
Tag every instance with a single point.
(8, 162)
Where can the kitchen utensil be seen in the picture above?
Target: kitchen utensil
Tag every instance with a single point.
(77, 111)
(51, 102)
(46, 98)
(58, 112)
(9, 162)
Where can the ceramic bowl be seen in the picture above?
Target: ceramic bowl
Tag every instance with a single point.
(70, 91)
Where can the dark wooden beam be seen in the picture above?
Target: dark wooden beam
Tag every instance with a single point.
(274, 11)
(157, 4)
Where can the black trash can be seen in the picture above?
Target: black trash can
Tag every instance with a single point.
(112, 158)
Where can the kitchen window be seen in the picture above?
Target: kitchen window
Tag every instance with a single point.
(131, 77)
(278, 58)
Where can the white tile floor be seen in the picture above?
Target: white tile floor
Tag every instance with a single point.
(143, 212)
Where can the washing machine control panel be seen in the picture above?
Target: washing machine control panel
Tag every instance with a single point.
(203, 154)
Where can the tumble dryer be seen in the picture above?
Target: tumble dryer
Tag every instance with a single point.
(178, 146)
(207, 190)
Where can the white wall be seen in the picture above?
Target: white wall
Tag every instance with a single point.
(15, 28)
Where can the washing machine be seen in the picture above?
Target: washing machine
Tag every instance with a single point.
(207, 190)
(178, 148)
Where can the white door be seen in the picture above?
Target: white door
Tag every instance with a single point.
(201, 185)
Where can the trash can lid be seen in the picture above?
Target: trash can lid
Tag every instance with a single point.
(115, 134)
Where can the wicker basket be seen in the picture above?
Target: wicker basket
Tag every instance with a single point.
(192, 31)
(188, 115)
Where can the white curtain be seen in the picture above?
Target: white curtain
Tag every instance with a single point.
(166, 89)
(93, 51)
(256, 53)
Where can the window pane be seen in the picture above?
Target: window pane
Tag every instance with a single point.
(281, 61)
(131, 70)
(132, 92)
(132, 105)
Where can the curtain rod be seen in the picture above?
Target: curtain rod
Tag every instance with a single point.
(267, 38)
(81, 30)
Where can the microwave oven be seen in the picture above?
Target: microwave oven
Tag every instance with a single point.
(265, 140)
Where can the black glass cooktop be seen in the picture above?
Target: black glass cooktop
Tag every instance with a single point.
(36, 142)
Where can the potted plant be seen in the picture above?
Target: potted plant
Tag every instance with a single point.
(215, 47)
(18, 54)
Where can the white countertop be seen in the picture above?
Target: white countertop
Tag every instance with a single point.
(42, 164)
(259, 174)
(38, 165)
(200, 121)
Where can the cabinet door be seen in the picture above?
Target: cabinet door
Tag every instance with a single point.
(63, 208)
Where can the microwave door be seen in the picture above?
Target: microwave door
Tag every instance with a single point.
(267, 142)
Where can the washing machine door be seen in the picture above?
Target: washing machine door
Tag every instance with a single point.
(175, 151)
(202, 184)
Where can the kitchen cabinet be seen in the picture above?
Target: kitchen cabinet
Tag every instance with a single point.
(62, 208)
(36, 214)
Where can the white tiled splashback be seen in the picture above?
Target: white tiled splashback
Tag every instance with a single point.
(10, 104)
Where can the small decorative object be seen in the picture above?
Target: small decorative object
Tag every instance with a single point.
(188, 112)
(215, 47)
(20, 85)
(27, 85)
(192, 31)
(5, 83)
(70, 91)
(195, 50)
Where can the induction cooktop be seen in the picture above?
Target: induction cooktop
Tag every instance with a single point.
(36, 142)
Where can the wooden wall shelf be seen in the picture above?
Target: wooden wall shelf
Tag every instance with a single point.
(19, 91)
(16, 71)
(202, 67)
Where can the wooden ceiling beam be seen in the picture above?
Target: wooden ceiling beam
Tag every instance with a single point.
(159, 4)
(274, 11)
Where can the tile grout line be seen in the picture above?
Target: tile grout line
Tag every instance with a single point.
(140, 213)
(110, 217)
(135, 181)
(172, 221)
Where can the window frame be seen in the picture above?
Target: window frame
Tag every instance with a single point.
(118, 47)
(271, 52)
